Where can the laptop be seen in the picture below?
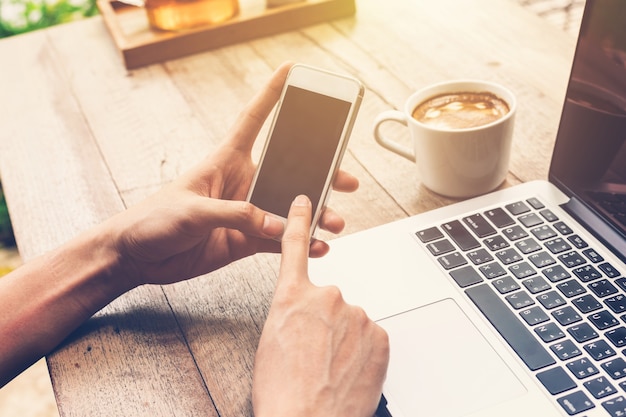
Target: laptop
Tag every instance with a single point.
(513, 303)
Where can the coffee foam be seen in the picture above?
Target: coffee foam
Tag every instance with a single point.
(461, 110)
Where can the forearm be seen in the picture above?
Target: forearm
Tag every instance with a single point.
(42, 302)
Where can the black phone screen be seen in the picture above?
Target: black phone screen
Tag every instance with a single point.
(300, 151)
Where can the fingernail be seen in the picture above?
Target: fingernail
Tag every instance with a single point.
(301, 201)
(272, 226)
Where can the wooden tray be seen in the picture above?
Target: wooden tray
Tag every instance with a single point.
(140, 45)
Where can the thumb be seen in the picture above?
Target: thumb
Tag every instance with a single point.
(253, 116)
(295, 243)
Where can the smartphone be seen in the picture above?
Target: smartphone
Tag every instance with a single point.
(306, 141)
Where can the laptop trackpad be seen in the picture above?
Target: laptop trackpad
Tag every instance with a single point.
(441, 365)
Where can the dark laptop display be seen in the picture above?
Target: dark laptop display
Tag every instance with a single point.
(589, 160)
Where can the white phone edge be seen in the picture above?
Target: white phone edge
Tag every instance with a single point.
(331, 84)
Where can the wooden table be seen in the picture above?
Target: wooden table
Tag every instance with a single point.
(82, 138)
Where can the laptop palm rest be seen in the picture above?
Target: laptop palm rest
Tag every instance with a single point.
(435, 349)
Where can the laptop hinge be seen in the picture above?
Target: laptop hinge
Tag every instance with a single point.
(598, 227)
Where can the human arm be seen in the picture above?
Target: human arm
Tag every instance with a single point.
(317, 355)
(194, 225)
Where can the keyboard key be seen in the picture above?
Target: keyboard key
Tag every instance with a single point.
(440, 247)
(548, 215)
(565, 350)
(452, 260)
(499, 218)
(460, 235)
(603, 320)
(535, 203)
(527, 246)
(428, 235)
(571, 288)
(517, 208)
(496, 243)
(572, 259)
(506, 285)
(536, 284)
(582, 368)
(593, 256)
(556, 273)
(492, 270)
(551, 299)
(563, 228)
(617, 337)
(517, 335)
(616, 407)
(616, 368)
(599, 387)
(557, 245)
(530, 220)
(599, 350)
(543, 232)
(534, 315)
(479, 226)
(575, 403)
(602, 288)
(479, 256)
(617, 303)
(586, 273)
(519, 300)
(541, 259)
(556, 380)
(577, 241)
(466, 276)
(582, 332)
(566, 315)
(514, 233)
(522, 270)
(549, 332)
(586, 303)
(609, 270)
(508, 256)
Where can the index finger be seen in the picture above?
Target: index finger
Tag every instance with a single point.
(295, 243)
(255, 113)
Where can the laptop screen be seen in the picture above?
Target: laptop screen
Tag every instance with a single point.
(589, 159)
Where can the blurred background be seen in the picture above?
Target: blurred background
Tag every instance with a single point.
(30, 394)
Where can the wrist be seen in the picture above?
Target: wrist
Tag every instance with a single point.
(90, 267)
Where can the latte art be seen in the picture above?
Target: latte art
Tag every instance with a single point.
(461, 110)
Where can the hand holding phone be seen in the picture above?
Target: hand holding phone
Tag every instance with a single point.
(307, 140)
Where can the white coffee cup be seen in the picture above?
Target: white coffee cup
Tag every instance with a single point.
(455, 162)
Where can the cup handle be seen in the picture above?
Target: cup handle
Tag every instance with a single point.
(385, 142)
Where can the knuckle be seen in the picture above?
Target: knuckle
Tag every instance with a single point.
(246, 210)
(246, 213)
(333, 293)
(360, 315)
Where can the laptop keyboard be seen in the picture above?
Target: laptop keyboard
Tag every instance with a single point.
(555, 299)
